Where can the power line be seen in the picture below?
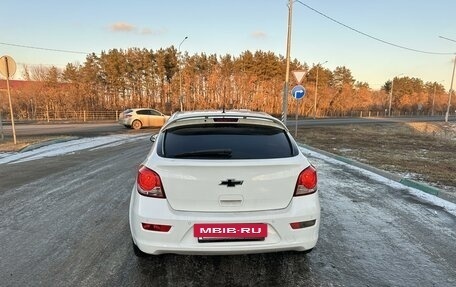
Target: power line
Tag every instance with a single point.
(447, 39)
(45, 49)
(370, 36)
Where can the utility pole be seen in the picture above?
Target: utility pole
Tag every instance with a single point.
(447, 114)
(390, 98)
(180, 75)
(433, 100)
(287, 72)
(316, 89)
(391, 94)
(450, 92)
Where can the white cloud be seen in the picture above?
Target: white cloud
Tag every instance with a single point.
(122, 27)
(259, 35)
(130, 28)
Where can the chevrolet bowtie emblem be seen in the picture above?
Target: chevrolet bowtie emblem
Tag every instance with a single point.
(231, 182)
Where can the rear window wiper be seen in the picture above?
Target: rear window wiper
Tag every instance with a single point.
(217, 153)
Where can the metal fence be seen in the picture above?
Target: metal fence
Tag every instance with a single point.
(78, 116)
(90, 116)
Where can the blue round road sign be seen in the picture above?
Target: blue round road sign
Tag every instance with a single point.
(298, 92)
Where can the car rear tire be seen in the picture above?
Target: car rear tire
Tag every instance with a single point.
(138, 251)
(136, 125)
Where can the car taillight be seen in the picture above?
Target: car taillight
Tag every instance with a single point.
(307, 182)
(128, 115)
(156, 227)
(149, 183)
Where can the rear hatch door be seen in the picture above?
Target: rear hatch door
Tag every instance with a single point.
(230, 186)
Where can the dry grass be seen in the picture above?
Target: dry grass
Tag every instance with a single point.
(421, 151)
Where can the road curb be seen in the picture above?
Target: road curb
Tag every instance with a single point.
(420, 186)
(402, 180)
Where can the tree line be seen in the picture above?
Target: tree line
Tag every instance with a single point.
(166, 80)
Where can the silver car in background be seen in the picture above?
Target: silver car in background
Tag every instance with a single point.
(142, 117)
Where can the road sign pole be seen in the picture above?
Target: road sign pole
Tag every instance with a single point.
(8, 68)
(10, 104)
(298, 92)
(296, 120)
(1, 127)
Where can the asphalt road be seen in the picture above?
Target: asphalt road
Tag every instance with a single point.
(70, 129)
(64, 222)
(365, 120)
(104, 128)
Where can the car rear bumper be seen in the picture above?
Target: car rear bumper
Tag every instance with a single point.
(180, 238)
(125, 121)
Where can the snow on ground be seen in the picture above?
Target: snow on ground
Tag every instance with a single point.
(449, 206)
(61, 148)
(66, 147)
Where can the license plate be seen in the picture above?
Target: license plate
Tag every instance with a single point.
(230, 230)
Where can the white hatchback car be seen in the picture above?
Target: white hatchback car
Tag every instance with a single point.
(142, 117)
(219, 182)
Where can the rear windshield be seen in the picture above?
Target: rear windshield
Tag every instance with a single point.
(226, 141)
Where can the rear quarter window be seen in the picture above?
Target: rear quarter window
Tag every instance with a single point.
(155, 113)
(227, 141)
(143, 112)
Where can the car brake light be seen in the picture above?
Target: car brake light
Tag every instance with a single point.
(226, 120)
(128, 116)
(149, 183)
(156, 227)
(307, 182)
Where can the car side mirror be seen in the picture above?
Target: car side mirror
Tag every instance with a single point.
(153, 138)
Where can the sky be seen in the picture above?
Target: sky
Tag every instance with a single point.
(234, 26)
